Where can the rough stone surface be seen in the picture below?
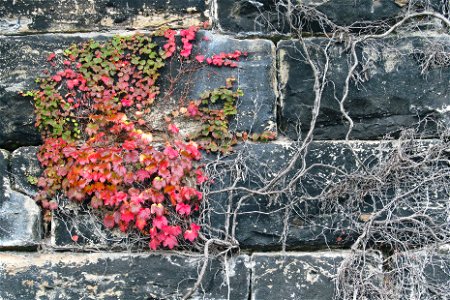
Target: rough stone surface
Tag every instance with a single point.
(119, 276)
(286, 276)
(72, 219)
(20, 218)
(301, 215)
(25, 170)
(394, 95)
(84, 15)
(271, 17)
(22, 60)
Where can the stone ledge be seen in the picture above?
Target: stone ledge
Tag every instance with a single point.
(29, 16)
(119, 276)
(295, 275)
(269, 17)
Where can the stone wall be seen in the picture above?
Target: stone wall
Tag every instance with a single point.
(302, 207)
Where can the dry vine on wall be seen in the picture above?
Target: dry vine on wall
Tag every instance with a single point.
(395, 201)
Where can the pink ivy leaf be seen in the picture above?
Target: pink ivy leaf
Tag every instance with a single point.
(201, 178)
(192, 109)
(144, 214)
(127, 216)
(171, 230)
(170, 152)
(51, 56)
(141, 175)
(200, 58)
(183, 209)
(159, 222)
(57, 78)
(106, 80)
(157, 209)
(173, 129)
(158, 183)
(126, 102)
(170, 241)
(191, 234)
(154, 244)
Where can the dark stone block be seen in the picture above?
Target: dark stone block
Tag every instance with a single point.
(22, 60)
(295, 275)
(260, 218)
(269, 17)
(393, 96)
(84, 15)
(25, 169)
(25, 59)
(255, 75)
(314, 210)
(119, 276)
(20, 217)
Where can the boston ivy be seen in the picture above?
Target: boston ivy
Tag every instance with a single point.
(99, 149)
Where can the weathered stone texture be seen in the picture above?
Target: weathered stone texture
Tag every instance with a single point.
(25, 170)
(260, 218)
(22, 60)
(255, 75)
(20, 217)
(286, 276)
(119, 276)
(271, 17)
(395, 91)
(421, 274)
(20, 16)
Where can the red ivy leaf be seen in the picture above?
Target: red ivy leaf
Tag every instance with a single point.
(51, 56)
(108, 221)
(127, 216)
(129, 145)
(140, 223)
